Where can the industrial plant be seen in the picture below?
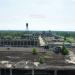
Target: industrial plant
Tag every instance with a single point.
(36, 53)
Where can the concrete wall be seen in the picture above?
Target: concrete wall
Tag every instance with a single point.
(35, 72)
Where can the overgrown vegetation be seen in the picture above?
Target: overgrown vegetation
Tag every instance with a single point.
(34, 51)
(65, 33)
(15, 33)
(41, 60)
(64, 50)
(68, 35)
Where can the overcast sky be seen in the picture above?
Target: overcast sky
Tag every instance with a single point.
(40, 14)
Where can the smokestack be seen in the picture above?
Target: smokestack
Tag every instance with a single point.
(27, 26)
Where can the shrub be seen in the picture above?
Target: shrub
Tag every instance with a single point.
(41, 60)
(64, 50)
(34, 51)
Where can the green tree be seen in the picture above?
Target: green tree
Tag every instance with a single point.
(64, 38)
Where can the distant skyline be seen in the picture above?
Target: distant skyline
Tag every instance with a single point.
(57, 15)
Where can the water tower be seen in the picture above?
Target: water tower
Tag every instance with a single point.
(26, 26)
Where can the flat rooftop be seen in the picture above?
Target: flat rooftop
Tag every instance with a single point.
(25, 49)
(22, 58)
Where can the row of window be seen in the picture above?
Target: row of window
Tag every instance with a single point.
(19, 43)
(36, 72)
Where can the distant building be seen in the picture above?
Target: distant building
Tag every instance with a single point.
(26, 40)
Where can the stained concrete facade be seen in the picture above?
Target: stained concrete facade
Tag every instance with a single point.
(19, 43)
(27, 40)
(35, 72)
